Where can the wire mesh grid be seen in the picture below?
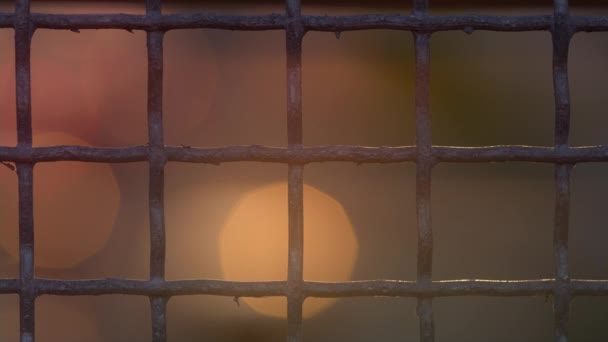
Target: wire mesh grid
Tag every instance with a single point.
(424, 154)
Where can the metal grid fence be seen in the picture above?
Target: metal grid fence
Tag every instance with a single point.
(424, 154)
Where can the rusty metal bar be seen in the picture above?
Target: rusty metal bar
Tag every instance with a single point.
(294, 33)
(295, 293)
(157, 161)
(424, 165)
(391, 4)
(155, 288)
(156, 156)
(27, 295)
(305, 155)
(562, 291)
(310, 22)
(158, 310)
(25, 171)
(561, 33)
(448, 288)
(367, 288)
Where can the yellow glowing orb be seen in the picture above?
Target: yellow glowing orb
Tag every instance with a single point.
(254, 243)
(75, 207)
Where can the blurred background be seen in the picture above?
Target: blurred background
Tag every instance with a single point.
(491, 221)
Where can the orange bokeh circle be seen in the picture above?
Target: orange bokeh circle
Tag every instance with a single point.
(61, 86)
(94, 84)
(254, 243)
(75, 207)
(190, 75)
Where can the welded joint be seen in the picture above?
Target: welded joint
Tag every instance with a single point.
(562, 24)
(157, 156)
(295, 27)
(296, 290)
(294, 22)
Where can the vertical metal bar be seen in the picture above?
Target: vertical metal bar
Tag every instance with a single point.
(560, 252)
(294, 34)
(159, 318)
(423, 173)
(561, 34)
(27, 296)
(157, 161)
(295, 298)
(157, 157)
(25, 177)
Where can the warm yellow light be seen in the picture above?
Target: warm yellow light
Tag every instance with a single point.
(75, 206)
(254, 243)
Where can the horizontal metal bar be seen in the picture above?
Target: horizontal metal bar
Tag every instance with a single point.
(589, 23)
(391, 4)
(427, 23)
(317, 154)
(395, 288)
(142, 22)
(74, 153)
(384, 288)
(212, 155)
(583, 287)
(465, 287)
(448, 288)
(160, 288)
(562, 154)
(467, 23)
(8, 286)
